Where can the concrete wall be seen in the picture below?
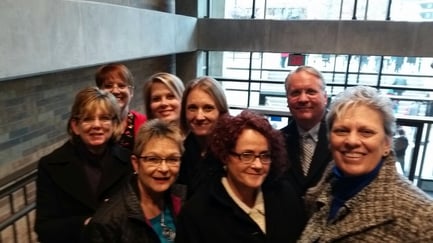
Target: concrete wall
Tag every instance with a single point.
(315, 36)
(52, 35)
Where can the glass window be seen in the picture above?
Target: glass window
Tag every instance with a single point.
(400, 10)
(256, 80)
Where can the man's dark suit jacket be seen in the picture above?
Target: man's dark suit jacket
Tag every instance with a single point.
(321, 157)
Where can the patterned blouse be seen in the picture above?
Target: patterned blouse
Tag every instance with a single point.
(127, 138)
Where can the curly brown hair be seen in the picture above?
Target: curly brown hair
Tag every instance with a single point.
(228, 129)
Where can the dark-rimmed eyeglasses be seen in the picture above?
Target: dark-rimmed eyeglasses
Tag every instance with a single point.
(156, 161)
(248, 157)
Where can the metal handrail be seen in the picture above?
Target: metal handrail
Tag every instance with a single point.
(16, 216)
(7, 191)
(18, 183)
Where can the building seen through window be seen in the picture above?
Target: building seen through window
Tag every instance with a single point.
(256, 80)
(398, 10)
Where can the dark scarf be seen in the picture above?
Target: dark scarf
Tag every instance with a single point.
(92, 164)
(344, 187)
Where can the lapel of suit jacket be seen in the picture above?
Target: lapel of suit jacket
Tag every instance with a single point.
(291, 134)
(322, 154)
(370, 207)
(70, 176)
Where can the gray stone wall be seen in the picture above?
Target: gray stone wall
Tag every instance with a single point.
(34, 111)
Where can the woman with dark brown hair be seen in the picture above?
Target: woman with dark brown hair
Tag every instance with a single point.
(203, 103)
(249, 203)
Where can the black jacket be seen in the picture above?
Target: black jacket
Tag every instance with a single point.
(64, 198)
(122, 220)
(196, 172)
(321, 157)
(213, 217)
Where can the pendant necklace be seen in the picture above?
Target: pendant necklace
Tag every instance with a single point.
(167, 232)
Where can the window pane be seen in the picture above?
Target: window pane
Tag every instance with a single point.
(400, 10)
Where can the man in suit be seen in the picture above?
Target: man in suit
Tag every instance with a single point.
(307, 101)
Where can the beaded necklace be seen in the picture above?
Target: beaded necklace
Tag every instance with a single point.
(127, 138)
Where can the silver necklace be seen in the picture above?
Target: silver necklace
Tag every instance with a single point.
(167, 232)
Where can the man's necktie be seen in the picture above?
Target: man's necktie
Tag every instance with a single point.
(307, 152)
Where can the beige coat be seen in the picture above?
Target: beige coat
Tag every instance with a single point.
(389, 209)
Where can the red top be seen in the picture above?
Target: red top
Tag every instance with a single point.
(139, 120)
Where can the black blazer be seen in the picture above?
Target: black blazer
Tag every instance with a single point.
(321, 157)
(64, 197)
(196, 172)
(211, 216)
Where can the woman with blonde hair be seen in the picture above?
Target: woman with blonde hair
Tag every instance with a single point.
(84, 172)
(162, 94)
(146, 208)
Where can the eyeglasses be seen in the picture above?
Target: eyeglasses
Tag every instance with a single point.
(248, 157)
(103, 120)
(155, 161)
(111, 87)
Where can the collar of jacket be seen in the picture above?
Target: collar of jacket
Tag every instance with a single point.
(174, 197)
(373, 196)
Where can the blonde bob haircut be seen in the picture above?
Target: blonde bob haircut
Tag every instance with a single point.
(90, 99)
(173, 83)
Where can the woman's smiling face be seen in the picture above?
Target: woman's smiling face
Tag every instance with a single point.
(358, 140)
(201, 112)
